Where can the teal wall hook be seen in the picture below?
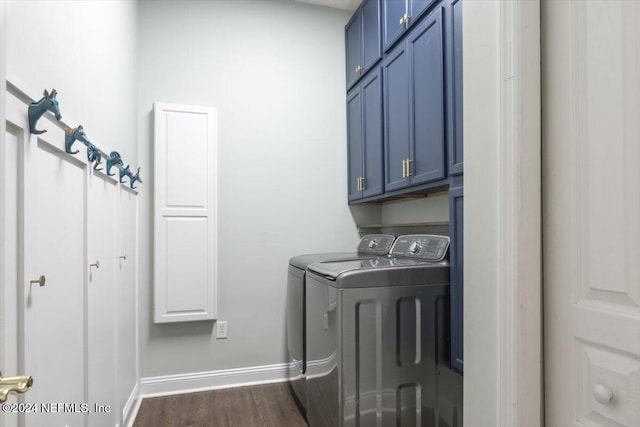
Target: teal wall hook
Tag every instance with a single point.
(94, 155)
(36, 109)
(134, 178)
(114, 159)
(125, 171)
(73, 134)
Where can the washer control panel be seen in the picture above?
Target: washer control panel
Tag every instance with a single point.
(376, 244)
(423, 246)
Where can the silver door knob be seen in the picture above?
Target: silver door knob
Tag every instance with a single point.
(602, 393)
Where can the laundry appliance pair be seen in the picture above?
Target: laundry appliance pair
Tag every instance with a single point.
(375, 334)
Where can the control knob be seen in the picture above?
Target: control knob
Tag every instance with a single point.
(415, 248)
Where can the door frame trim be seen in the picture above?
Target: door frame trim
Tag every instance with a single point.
(502, 294)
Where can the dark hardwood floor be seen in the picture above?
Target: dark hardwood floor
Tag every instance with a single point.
(269, 405)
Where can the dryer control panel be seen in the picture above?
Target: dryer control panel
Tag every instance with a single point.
(376, 244)
(423, 246)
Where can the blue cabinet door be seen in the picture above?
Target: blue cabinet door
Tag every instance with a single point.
(396, 117)
(371, 93)
(393, 25)
(371, 39)
(363, 41)
(364, 138)
(353, 39)
(456, 255)
(354, 144)
(425, 46)
(417, 8)
(453, 30)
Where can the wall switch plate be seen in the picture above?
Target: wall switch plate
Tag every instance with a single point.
(221, 329)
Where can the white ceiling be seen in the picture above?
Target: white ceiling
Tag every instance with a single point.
(338, 4)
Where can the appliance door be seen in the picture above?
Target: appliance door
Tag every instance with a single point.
(296, 333)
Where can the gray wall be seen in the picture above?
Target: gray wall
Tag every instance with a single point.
(86, 51)
(275, 72)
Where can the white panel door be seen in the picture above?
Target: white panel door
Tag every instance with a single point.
(126, 296)
(9, 338)
(54, 247)
(591, 216)
(184, 213)
(101, 300)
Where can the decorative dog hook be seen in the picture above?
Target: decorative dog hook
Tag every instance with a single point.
(94, 155)
(124, 171)
(134, 178)
(72, 135)
(114, 159)
(36, 109)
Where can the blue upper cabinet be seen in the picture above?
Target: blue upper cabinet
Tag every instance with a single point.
(393, 21)
(363, 41)
(414, 107)
(453, 26)
(398, 16)
(364, 138)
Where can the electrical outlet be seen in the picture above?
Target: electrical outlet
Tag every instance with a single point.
(221, 329)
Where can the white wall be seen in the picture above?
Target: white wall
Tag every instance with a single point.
(429, 209)
(86, 51)
(275, 72)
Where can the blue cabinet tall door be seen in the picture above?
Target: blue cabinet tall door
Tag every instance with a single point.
(414, 107)
(364, 138)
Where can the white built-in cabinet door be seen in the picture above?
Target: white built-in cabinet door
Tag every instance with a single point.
(101, 299)
(126, 297)
(54, 230)
(184, 213)
(591, 215)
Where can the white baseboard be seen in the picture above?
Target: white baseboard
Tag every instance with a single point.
(212, 380)
(130, 409)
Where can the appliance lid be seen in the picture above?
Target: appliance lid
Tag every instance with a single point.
(381, 271)
(303, 261)
(414, 259)
(371, 245)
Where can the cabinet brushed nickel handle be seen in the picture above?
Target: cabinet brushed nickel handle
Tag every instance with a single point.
(404, 168)
(359, 69)
(362, 183)
(409, 167)
(405, 19)
(39, 281)
(95, 264)
(123, 256)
